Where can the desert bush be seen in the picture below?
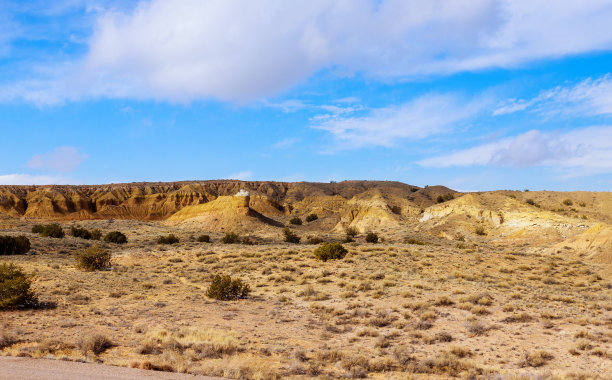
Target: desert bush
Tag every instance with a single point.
(480, 231)
(93, 258)
(530, 202)
(371, 237)
(115, 237)
(296, 221)
(224, 288)
(37, 228)
(445, 197)
(568, 202)
(53, 230)
(96, 344)
(15, 289)
(79, 232)
(204, 239)
(290, 236)
(170, 239)
(351, 231)
(230, 238)
(14, 245)
(311, 218)
(96, 234)
(314, 240)
(330, 251)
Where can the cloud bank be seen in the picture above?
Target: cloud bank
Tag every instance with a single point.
(184, 50)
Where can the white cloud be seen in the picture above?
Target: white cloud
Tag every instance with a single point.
(583, 151)
(588, 98)
(61, 159)
(241, 176)
(181, 50)
(27, 179)
(417, 119)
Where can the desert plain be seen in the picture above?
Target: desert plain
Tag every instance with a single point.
(483, 285)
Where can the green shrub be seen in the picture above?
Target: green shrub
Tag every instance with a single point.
(296, 221)
(14, 245)
(290, 236)
(204, 239)
(230, 238)
(351, 231)
(115, 237)
(371, 237)
(93, 258)
(311, 218)
(15, 289)
(170, 239)
(82, 233)
(224, 288)
(52, 230)
(96, 234)
(37, 228)
(330, 251)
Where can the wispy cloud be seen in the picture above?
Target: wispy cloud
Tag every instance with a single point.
(183, 50)
(61, 159)
(581, 152)
(28, 179)
(587, 98)
(417, 119)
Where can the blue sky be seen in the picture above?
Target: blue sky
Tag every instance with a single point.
(471, 94)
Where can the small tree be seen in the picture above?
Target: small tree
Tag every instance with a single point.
(93, 258)
(115, 237)
(371, 237)
(330, 251)
(290, 236)
(312, 218)
(15, 289)
(230, 238)
(224, 288)
(296, 221)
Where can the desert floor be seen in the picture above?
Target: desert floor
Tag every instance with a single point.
(437, 310)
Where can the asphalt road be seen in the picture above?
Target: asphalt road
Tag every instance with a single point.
(15, 368)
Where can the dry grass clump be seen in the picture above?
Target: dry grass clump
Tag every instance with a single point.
(6, 339)
(95, 344)
(536, 359)
(202, 343)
